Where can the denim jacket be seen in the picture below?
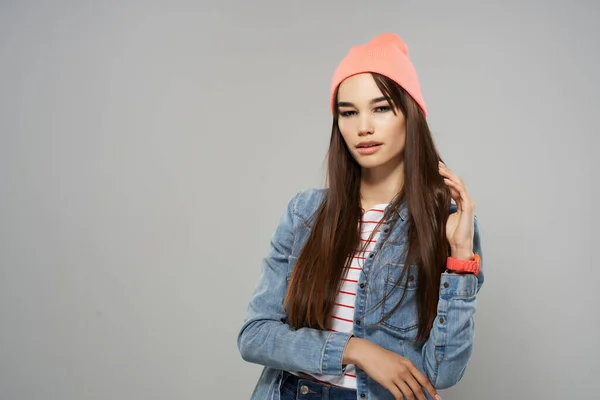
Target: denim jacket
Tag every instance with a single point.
(266, 339)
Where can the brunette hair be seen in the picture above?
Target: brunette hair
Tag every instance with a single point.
(335, 233)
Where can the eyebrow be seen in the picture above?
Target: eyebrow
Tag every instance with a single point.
(349, 104)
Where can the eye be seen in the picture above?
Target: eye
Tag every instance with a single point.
(347, 113)
(383, 108)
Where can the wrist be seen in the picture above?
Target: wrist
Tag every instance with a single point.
(351, 352)
(462, 253)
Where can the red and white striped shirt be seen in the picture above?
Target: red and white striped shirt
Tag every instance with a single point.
(341, 319)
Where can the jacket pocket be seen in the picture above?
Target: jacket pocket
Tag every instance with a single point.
(404, 320)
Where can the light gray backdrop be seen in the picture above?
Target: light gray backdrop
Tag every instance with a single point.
(148, 150)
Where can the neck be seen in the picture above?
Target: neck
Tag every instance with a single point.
(381, 184)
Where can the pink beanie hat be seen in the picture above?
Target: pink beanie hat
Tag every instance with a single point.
(387, 55)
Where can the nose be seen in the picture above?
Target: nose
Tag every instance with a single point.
(365, 124)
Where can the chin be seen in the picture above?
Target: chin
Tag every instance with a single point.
(368, 164)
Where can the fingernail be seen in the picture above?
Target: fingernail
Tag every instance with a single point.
(438, 397)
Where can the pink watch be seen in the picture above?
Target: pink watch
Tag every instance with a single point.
(464, 266)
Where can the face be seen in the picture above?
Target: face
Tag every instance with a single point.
(373, 133)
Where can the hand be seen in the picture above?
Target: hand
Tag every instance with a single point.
(394, 372)
(460, 227)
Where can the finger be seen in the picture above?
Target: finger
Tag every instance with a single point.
(459, 186)
(405, 389)
(444, 172)
(462, 193)
(453, 180)
(447, 172)
(443, 168)
(424, 382)
(441, 165)
(454, 193)
(416, 388)
(453, 187)
(395, 391)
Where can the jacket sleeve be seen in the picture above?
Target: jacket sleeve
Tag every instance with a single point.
(450, 344)
(265, 338)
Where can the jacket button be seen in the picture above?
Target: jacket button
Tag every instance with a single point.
(441, 320)
(411, 278)
(358, 322)
(304, 389)
(446, 284)
(362, 396)
(371, 255)
(362, 285)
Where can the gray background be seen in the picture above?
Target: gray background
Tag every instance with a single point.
(147, 152)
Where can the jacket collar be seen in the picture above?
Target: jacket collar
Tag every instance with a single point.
(401, 211)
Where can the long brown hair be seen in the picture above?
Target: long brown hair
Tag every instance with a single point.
(335, 233)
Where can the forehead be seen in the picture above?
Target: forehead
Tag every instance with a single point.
(359, 88)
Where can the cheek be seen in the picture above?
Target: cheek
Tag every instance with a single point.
(401, 140)
(345, 130)
(342, 126)
(396, 134)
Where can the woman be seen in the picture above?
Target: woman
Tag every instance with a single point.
(369, 288)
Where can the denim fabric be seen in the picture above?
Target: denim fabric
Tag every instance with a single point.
(266, 339)
(294, 388)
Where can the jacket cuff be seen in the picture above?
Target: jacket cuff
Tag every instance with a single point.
(331, 360)
(458, 285)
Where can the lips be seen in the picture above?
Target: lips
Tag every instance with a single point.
(368, 144)
(368, 148)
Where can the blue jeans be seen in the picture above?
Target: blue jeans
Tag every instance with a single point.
(295, 388)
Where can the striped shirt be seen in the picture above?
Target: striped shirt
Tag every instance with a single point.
(341, 319)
